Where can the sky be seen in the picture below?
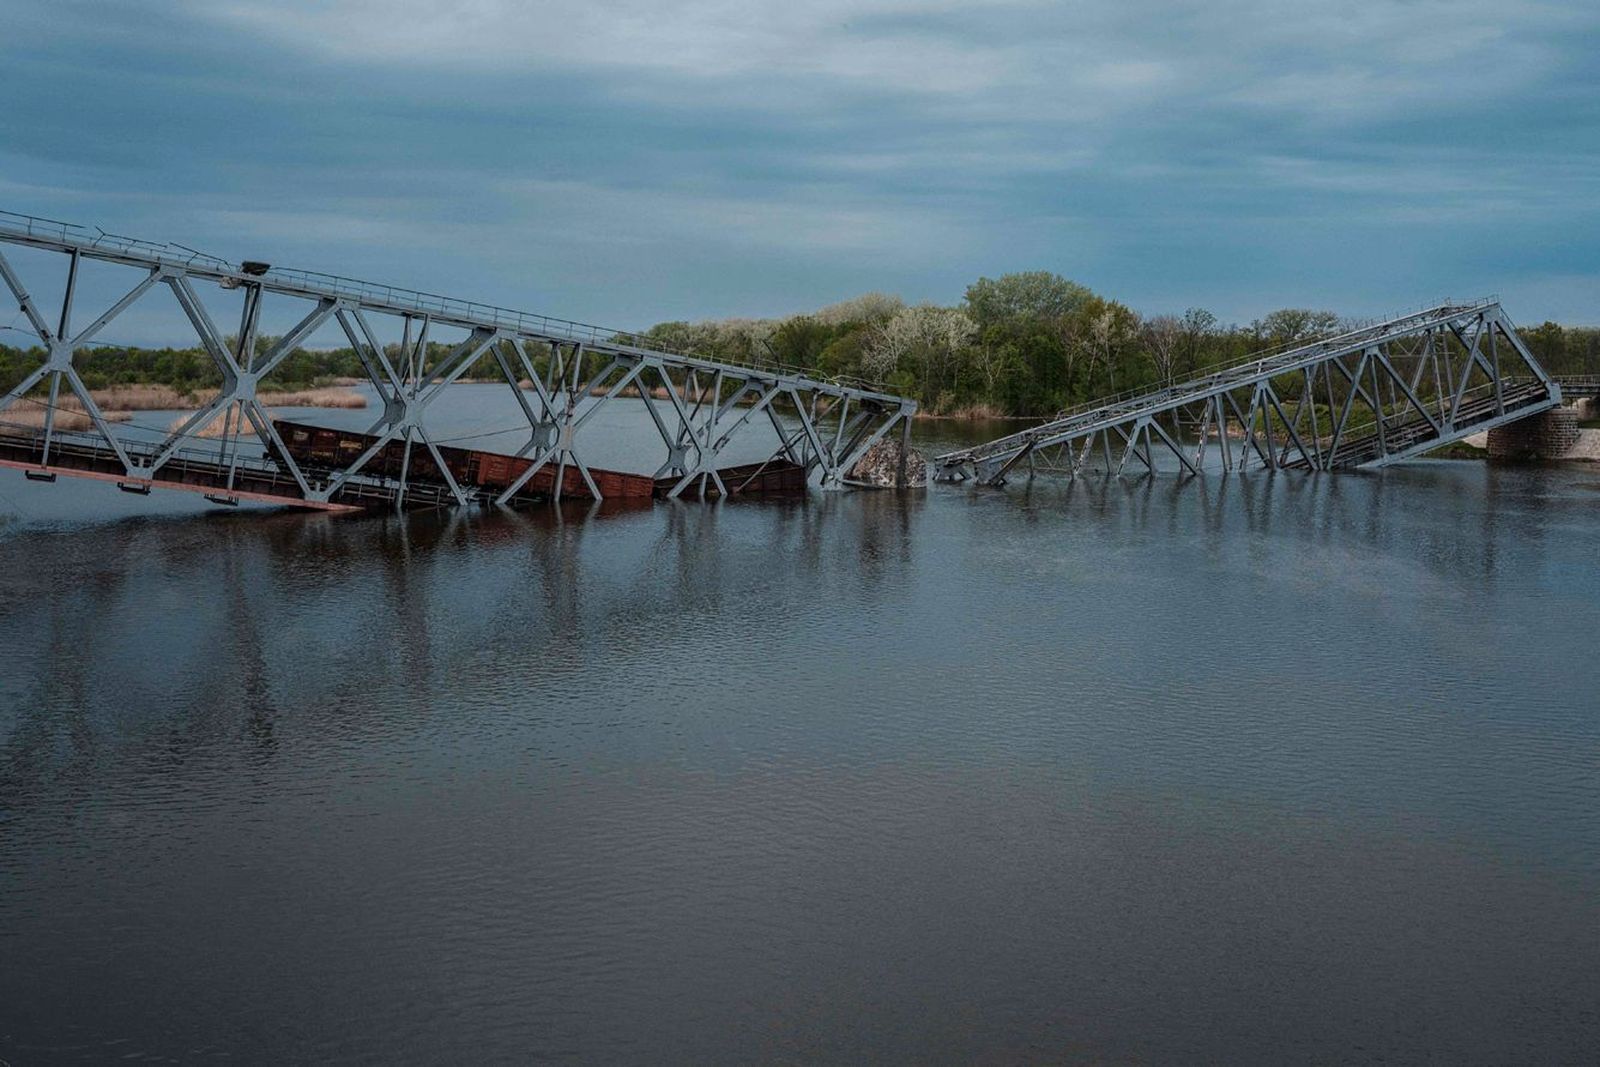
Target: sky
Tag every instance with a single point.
(631, 162)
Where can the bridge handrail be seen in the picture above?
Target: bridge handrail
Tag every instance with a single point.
(333, 285)
(1578, 384)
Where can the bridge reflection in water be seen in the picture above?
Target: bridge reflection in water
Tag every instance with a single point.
(576, 775)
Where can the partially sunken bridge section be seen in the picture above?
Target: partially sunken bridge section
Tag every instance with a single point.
(413, 347)
(1365, 398)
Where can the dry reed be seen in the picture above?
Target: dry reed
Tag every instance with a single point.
(216, 427)
(119, 402)
(221, 424)
(166, 398)
(141, 398)
(323, 397)
(67, 419)
(980, 411)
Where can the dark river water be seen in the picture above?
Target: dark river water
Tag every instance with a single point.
(1247, 769)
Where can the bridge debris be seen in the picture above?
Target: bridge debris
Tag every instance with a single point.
(881, 467)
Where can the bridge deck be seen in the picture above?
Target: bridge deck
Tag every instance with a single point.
(246, 477)
(253, 475)
(77, 457)
(1418, 435)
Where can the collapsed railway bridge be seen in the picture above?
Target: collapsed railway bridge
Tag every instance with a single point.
(803, 430)
(1363, 399)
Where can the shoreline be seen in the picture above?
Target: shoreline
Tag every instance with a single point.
(968, 416)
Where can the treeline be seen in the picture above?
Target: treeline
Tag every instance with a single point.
(1021, 344)
(1034, 343)
(186, 369)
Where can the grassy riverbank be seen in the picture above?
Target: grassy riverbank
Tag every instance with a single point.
(120, 403)
(1459, 450)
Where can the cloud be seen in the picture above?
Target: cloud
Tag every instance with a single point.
(698, 39)
(1272, 54)
(632, 160)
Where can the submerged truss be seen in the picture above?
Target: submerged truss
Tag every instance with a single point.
(562, 375)
(1366, 398)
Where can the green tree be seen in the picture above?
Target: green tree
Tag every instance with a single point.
(1288, 326)
(1031, 296)
(799, 341)
(932, 342)
(1199, 328)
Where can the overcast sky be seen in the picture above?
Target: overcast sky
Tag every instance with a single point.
(629, 162)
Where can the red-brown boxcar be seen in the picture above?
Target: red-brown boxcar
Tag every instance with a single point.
(324, 448)
(748, 479)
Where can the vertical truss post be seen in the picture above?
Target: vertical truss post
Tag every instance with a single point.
(1376, 400)
(1499, 380)
(1316, 430)
(901, 475)
(1202, 431)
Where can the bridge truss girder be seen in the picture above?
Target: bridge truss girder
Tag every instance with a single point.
(561, 374)
(1367, 398)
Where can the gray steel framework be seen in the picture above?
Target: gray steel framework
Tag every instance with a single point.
(561, 373)
(1574, 386)
(1365, 398)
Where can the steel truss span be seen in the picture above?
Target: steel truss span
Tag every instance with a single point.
(1366, 398)
(562, 375)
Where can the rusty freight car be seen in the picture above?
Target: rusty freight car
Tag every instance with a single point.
(748, 479)
(322, 448)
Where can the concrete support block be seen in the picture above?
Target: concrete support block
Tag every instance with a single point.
(1547, 435)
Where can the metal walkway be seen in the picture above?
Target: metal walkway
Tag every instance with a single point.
(1366, 398)
(561, 373)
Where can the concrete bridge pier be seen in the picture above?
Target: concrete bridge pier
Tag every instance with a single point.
(1547, 435)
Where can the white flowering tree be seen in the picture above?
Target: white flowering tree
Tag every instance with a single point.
(933, 342)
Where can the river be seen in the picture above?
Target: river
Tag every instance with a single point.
(1251, 768)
